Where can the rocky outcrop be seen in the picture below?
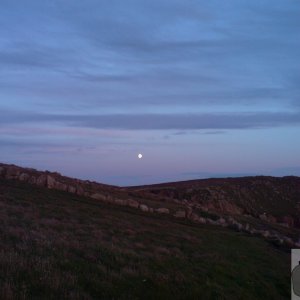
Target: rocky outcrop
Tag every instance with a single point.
(180, 214)
(258, 196)
(42, 180)
(267, 218)
(12, 173)
(79, 190)
(71, 189)
(144, 208)
(61, 186)
(98, 196)
(133, 203)
(24, 177)
(162, 210)
(121, 202)
(51, 182)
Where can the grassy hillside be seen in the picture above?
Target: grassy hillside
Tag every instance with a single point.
(59, 245)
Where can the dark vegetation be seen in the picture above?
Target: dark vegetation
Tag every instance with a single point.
(56, 245)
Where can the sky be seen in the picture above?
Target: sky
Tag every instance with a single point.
(200, 88)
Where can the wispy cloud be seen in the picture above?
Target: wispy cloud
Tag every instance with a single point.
(159, 121)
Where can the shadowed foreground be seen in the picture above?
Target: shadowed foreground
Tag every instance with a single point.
(58, 245)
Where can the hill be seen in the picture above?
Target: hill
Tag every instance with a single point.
(56, 244)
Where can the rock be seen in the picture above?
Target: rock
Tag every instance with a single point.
(24, 177)
(288, 241)
(263, 217)
(271, 219)
(179, 214)
(97, 196)
(275, 239)
(267, 218)
(42, 180)
(79, 190)
(297, 245)
(12, 173)
(221, 221)
(71, 189)
(283, 225)
(50, 182)
(32, 180)
(201, 220)
(193, 217)
(265, 233)
(189, 211)
(61, 186)
(144, 208)
(236, 226)
(231, 220)
(132, 203)
(248, 229)
(162, 210)
(211, 222)
(120, 202)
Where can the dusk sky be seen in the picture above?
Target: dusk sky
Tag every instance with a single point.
(200, 88)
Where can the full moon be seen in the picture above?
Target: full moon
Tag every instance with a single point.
(140, 155)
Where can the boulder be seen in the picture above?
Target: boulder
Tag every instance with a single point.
(201, 220)
(265, 233)
(297, 245)
(193, 217)
(97, 196)
(247, 228)
(162, 210)
(179, 214)
(211, 222)
(24, 177)
(42, 180)
(12, 173)
(61, 186)
(71, 189)
(79, 190)
(271, 219)
(144, 208)
(288, 241)
(132, 203)
(263, 217)
(121, 202)
(221, 221)
(50, 182)
(189, 211)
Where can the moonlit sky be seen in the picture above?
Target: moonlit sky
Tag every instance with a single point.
(200, 88)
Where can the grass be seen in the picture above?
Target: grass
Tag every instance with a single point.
(55, 245)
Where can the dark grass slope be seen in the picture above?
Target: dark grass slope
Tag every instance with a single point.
(55, 245)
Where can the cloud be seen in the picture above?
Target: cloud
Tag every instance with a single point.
(149, 57)
(159, 121)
